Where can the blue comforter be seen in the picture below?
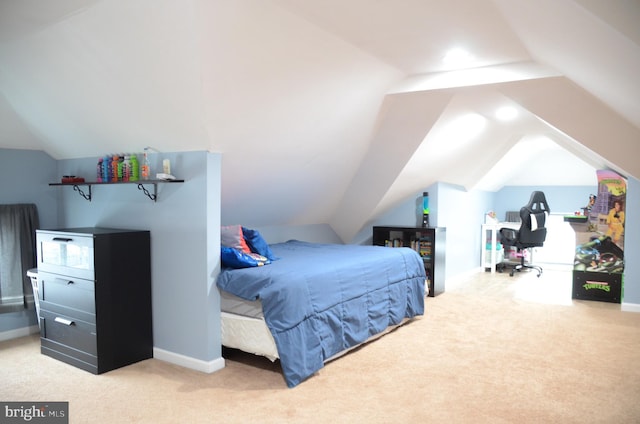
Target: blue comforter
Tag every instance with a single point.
(320, 299)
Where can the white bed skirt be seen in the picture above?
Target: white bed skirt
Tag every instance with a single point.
(253, 336)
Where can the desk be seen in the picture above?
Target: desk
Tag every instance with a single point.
(493, 228)
(579, 223)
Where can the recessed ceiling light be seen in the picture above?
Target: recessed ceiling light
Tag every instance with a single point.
(457, 57)
(506, 113)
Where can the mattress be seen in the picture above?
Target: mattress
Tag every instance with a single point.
(238, 306)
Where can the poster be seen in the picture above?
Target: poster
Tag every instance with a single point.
(599, 258)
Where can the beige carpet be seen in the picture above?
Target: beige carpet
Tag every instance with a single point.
(483, 353)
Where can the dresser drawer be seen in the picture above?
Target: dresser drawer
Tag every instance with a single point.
(74, 297)
(66, 253)
(69, 332)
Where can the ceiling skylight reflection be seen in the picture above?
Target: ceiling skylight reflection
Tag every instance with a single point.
(463, 129)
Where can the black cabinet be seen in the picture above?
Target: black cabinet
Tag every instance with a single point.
(428, 242)
(95, 296)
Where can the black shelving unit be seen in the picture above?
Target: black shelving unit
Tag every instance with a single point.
(428, 242)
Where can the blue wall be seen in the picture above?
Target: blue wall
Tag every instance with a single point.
(632, 246)
(316, 233)
(462, 213)
(25, 176)
(459, 211)
(185, 250)
(571, 199)
(185, 221)
(185, 236)
(561, 199)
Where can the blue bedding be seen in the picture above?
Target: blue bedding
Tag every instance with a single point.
(320, 299)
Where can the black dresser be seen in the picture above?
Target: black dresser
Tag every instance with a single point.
(95, 296)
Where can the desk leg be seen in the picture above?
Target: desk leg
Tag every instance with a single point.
(483, 251)
(493, 249)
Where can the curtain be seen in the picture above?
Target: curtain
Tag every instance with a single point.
(18, 224)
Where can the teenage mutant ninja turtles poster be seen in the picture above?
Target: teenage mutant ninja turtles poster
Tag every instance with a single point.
(599, 258)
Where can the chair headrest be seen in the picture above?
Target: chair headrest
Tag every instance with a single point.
(538, 202)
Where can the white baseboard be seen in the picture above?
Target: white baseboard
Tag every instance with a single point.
(453, 282)
(18, 332)
(189, 362)
(630, 307)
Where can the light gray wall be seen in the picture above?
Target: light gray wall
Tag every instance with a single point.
(319, 233)
(452, 207)
(561, 199)
(462, 212)
(185, 251)
(184, 225)
(25, 176)
(632, 245)
(407, 213)
(570, 199)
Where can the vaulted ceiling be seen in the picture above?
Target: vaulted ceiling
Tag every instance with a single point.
(330, 111)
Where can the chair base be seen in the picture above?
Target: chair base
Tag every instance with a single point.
(519, 268)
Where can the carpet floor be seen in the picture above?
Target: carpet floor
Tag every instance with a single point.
(491, 349)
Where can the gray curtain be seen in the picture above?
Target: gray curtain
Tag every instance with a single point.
(18, 224)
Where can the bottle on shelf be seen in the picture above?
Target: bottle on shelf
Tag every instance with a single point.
(99, 170)
(146, 165)
(121, 167)
(135, 168)
(126, 168)
(114, 168)
(106, 169)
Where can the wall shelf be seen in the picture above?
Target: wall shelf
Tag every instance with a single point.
(141, 186)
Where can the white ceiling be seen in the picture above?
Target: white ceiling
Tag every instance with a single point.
(328, 111)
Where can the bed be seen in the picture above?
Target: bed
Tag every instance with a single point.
(317, 301)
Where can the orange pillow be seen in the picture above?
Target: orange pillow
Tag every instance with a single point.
(231, 236)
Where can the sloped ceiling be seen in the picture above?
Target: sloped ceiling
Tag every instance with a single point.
(328, 111)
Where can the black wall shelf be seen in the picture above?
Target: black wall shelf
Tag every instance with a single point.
(141, 186)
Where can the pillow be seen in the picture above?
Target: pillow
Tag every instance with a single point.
(257, 244)
(231, 236)
(234, 258)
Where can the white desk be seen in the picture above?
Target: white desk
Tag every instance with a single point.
(493, 228)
